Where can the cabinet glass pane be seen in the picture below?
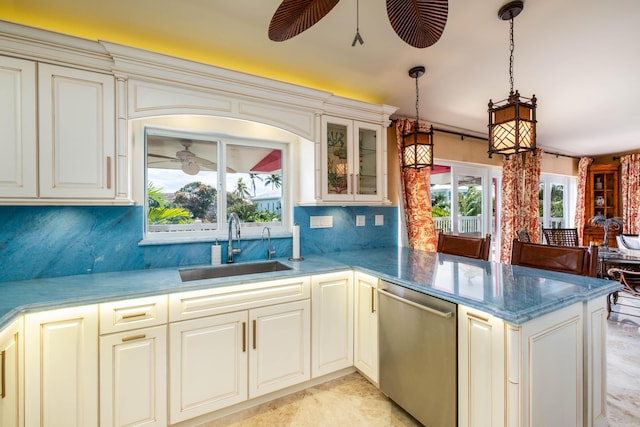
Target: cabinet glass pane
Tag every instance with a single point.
(367, 161)
(337, 162)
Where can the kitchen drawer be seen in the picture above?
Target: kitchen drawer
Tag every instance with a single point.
(133, 314)
(225, 299)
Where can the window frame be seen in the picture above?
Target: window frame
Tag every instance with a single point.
(222, 142)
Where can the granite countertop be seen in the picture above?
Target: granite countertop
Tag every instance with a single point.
(514, 294)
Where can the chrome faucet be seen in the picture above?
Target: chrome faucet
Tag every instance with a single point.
(270, 251)
(230, 249)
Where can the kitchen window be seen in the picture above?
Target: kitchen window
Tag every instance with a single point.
(194, 181)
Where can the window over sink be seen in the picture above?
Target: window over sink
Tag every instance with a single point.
(195, 180)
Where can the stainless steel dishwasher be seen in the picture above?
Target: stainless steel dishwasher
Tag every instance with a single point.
(418, 354)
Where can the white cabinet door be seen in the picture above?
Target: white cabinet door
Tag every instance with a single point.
(11, 375)
(352, 161)
(133, 385)
(366, 325)
(332, 322)
(208, 364)
(18, 160)
(76, 133)
(61, 367)
(481, 369)
(279, 347)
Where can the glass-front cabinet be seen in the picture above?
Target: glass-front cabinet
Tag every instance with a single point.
(352, 161)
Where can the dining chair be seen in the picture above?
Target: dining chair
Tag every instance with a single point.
(579, 260)
(561, 236)
(630, 279)
(523, 236)
(470, 247)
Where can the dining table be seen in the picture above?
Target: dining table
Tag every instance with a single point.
(617, 258)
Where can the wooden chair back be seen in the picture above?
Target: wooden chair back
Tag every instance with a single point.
(561, 236)
(579, 260)
(470, 247)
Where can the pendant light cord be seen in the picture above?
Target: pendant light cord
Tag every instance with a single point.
(357, 38)
(417, 104)
(511, 48)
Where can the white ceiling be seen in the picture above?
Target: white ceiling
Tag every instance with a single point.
(579, 57)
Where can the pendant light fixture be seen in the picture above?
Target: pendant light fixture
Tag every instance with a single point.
(417, 146)
(512, 121)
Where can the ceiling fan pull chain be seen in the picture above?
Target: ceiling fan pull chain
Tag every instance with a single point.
(357, 38)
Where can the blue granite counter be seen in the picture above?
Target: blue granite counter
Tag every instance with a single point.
(512, 293)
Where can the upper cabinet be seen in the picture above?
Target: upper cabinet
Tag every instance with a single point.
(18, 124)
(353, 161)
(58, 140)
(76, 133)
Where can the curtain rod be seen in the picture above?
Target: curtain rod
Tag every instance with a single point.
(463, 135)
(482, 138)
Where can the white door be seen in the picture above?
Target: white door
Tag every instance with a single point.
(133, 385)
(208, 364)
(279, 347)
(77, 133)
(18, 162)
(11, 384)
(61, 368)
(366, 325)
(332, 322)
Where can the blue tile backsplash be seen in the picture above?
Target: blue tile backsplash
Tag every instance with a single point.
(53, 241)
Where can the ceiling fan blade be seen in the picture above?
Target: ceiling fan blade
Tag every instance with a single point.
(160, 156)
(295, 16)
(419, 23)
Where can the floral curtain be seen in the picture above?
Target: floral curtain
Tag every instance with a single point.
(583, 170)
(530, 217)
(416, 194)
(630, 178)
(520, 206)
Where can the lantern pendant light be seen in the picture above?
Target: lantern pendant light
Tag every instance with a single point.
(417, 146)
(512, 121)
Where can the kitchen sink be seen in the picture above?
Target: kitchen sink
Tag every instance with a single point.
(226, 270)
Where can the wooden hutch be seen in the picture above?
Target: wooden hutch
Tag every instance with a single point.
(602, 197)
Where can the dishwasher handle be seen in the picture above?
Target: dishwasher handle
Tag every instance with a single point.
(445, 314)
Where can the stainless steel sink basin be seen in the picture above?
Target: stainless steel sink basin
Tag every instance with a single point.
(226, 270)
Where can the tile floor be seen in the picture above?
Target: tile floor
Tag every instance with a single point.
(352, 401)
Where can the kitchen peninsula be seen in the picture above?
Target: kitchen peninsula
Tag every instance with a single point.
(531, 343)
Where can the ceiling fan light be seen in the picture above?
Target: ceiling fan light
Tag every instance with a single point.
(190, 168)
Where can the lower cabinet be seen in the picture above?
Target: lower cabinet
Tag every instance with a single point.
(220, 360)
(332, 322)
(366, 325)
(208, 364)
(61, 368)
(133, 385)
(11, 375)
(533, 374)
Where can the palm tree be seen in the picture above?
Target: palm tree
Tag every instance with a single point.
(159, 212)
(253, 176)
(274, 180)
(241, 189)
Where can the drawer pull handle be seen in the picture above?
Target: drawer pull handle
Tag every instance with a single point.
(133, 337)
(133, 315)
(477, 317)
(244, 337)
(254, 334)
(109, 172)
(3, 383)
(373, 308)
